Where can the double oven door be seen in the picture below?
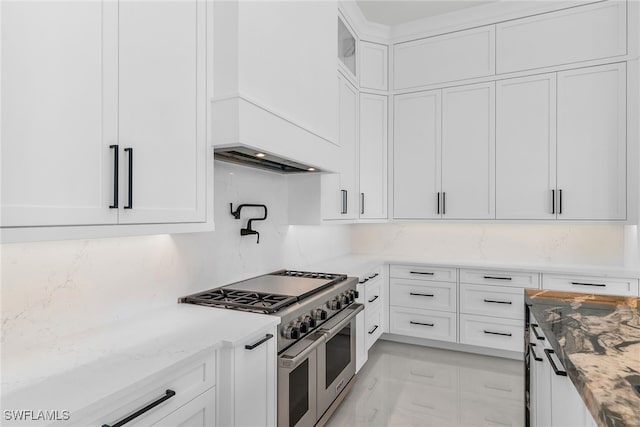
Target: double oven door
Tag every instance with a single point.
(315, 370)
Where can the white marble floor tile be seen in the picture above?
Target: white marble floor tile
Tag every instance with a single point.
(407, 385)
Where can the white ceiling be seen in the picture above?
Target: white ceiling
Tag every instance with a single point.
(392, 12)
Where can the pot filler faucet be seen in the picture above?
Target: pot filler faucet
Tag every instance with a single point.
(249, 231)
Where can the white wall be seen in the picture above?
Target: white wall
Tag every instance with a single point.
(52, 289)
(534, 244)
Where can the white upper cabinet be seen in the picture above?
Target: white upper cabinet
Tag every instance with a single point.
(162, 106)
(592, 143)
(373, 66)
(526, 147)
(564, 37)
(373, 156)
(59, 112)
(446, 58)
(347, 48)
(416, 155)
(468, 149)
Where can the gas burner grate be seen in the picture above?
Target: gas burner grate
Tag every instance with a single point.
(242, 300)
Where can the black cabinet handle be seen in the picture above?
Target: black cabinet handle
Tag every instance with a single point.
(533, 352)
(494, 301)
(496, 278)
(535, 332)
(438, 203)
(373, 330)
(266, 338)
(601, 285)
(344, 202)
(425, 273)
(444, 203)
(116, 156)
(415, 294)
(557, 371)
(361, 203)
(130, 201)
(373, 299)
(560, 202)
(420, 323)
(504, 334)
(168, 395)
(553, 201)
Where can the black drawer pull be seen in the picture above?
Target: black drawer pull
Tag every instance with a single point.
(497, 278)
(168, 395)
(535, 332)
(421, 324)
(420, 295)
(507, 334)
(373, 299)
(373, 330)
(426, 273)
(557, 371)
(263, 340)
(602, 285)
(493, 301)
(116, 156)
(533, 352)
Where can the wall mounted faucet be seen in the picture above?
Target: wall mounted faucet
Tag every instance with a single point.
(249, 231)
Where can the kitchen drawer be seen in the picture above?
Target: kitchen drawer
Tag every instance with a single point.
(374, 327)
(491, 384)
(373, 292)
(439, 296)
(492, 332)
(497, 301)
(500, 277)
(483, 411)
(441, 274)
(435, 325)
(590, 284)
(189, 378)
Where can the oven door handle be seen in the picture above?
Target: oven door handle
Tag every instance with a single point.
(289, 362)
(347, 317)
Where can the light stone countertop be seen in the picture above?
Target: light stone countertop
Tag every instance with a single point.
(81, 370)
(597, 339)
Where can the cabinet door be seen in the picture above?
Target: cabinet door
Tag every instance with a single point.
(59, 112)
(373, 66)
(373, 156)
(255, 382)
(526, 147)
(416, 155)
(592, 143)
(199, 412)
(468, 146)
(162, 110)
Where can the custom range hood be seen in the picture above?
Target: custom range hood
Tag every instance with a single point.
(251, 157)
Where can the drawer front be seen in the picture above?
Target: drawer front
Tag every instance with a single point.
(440, 274)
(492, 332)
(188, 378)
(499, 277)
(491, 384)
(374, 327)
(423, 324)
(497, 301)
(591, 284)
(373, 292)
(425, 295)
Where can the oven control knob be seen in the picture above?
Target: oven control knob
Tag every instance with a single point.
(319, 314)
(335, 304)
(301, 326)
(309, 321)
(291, 332)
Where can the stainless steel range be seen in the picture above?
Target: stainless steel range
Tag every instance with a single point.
(316, 336)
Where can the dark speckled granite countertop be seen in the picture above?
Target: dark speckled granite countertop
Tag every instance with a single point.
(597, 338)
